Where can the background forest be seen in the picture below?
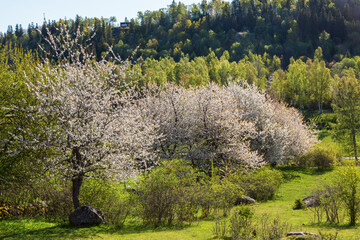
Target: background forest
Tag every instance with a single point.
(289, 48)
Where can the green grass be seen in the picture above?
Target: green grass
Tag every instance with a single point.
(298, 184)
(36, 229)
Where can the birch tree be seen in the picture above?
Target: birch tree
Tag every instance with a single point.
(346, 104)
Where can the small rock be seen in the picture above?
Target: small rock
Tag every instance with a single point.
(311, 201)
(245, 200)
(307, 234)
(86, 216)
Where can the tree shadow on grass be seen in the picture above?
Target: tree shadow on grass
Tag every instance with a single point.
(291, 172)
(65, 231)
(55, 232)
(339, 227)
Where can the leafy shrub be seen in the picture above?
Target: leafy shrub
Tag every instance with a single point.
(168, 193)
(220, 229)
(243, 226)
(224, 193)
(272, 228)
(58, 196)
(111, 198)
(49, 197)
(298, 204)
(262, 184)
(241, 223)
(321, 156)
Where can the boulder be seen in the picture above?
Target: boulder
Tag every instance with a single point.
(303, 234)
(86, 216)
(311, 201)
(245, 200)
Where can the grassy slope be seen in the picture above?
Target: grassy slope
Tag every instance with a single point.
(298, 185)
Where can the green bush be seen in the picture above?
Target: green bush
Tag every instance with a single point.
(168, 193)
(262, 184)
(241, 223)
(298, 204)
(224, 193)
(49, 197)
(321, 156)
(109, 197)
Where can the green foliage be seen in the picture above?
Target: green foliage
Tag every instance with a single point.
(241, 223)
(321, 156)
(111, 198)
(262, 184)
(340, 195)
(17, 163)
(348, 181)
(346, 104)
(224, 193)
(168, 193)
(49, 197)
(298, 204)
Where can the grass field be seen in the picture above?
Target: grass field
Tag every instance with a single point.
(298, 184)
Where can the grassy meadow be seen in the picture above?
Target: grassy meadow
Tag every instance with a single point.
(298, 184)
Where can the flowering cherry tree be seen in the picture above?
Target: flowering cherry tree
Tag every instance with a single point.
(203, 125)
(280, 131)
(91, 127)
(232, 127)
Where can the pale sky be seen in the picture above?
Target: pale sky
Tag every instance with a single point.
(26, 11)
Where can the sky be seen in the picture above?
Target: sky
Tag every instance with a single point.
(25, 12)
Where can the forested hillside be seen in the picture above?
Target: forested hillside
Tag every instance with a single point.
(292, 49)
(285, 28)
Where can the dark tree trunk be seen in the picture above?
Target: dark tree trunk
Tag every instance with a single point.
(353, 210)
(353, 133)
(77, 178)
(76, 181)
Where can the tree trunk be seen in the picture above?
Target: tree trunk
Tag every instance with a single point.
(353, 133)
(76, 181)
(77, 178)
(353, 209)
(320, 105)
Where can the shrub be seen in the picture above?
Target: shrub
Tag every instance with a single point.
(49, 197)
(262, 184)
(220, 229)
(168, 193)
(340, 196)
(272, 228)
(298, 204)
(321, 156)
(241, 223)
(224, 193)
(111, 198)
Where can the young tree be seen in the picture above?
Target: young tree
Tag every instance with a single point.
(16, 164)
(348, 182)
(91, 127)
(320, 80)
(346, 104)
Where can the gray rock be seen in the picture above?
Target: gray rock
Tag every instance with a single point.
(308, 234)
(245, 200)
(86, 216)
(311, 201)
